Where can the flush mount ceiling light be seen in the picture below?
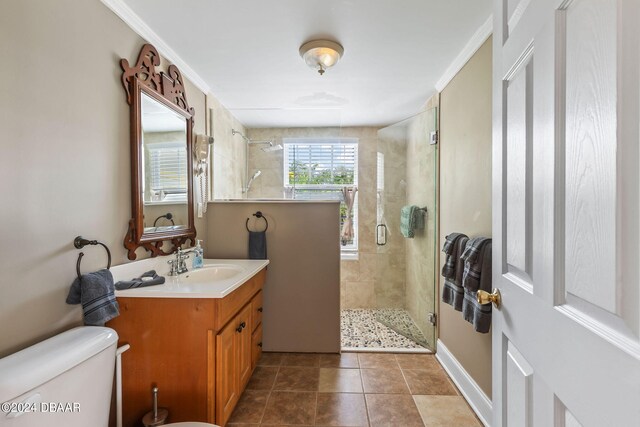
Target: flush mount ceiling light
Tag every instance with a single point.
(321, 54)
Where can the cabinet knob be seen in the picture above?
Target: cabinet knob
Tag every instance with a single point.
(241, 327)
(260, 309)
(260, 344)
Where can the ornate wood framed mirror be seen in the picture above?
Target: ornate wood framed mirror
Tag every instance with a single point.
(161, 156)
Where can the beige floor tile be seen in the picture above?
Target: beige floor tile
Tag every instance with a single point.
(392, 410)
(297, 378)
(301, 359)
(383, 381)
(341, 409)
(286, 407)
(250, 407)
(344, 360)
(418, 361)
(445, 411)
(377, 360)
(336, 380)
(428, 382)
(270, 359)
(263, 378)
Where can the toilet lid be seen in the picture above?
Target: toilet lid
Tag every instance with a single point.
(191, 424)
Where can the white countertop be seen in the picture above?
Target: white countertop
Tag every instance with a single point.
(217, 279)
(274, 201)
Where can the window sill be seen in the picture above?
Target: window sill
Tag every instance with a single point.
(165, 202)
(349, 256)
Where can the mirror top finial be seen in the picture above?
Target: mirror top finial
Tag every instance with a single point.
(170, 85)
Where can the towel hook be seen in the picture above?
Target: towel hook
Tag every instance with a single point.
(79, 242)
(258, 215)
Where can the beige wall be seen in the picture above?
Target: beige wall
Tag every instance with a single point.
(421, 173)
(302, 289)
(65, 156)
(465, 194)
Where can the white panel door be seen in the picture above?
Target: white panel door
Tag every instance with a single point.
(566, 340)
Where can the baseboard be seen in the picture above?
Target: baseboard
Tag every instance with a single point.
(477, 399)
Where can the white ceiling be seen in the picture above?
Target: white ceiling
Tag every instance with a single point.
(247, 52)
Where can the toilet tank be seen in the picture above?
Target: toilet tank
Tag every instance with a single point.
(63, 381)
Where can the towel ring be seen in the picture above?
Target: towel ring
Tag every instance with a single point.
(258, 215)
(80, 243)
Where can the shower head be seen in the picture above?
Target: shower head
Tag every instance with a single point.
(249, 141)
(272, 147)
(255, 175)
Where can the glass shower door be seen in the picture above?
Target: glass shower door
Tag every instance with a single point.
(405, 267)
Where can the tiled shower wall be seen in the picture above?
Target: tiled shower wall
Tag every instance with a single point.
(391, 257)
(228, 152)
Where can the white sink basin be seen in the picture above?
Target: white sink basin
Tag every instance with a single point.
(210, 273)
(216, 279)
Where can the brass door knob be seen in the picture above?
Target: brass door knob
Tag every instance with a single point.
(485, 297)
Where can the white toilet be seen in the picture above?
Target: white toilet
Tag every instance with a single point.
(63, 381)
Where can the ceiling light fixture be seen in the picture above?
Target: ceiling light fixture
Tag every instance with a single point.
(321, 54)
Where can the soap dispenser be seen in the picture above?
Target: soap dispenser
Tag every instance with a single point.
(198, 255)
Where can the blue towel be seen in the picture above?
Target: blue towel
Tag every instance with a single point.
(474, 261)
(150, 278)
(477, 276)
(95, 291)
(257, 245)
(452, 291)
(453, 247)
(411, 219)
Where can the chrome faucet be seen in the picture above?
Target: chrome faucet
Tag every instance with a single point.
(179, 265)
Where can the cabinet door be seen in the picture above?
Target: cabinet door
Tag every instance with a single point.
(243, 339)
(227, 390)
(256, 346)
(256, 311)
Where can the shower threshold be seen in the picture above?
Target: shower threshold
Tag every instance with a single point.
(367, 330)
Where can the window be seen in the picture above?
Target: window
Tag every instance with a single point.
(167, 171)
(318, 169)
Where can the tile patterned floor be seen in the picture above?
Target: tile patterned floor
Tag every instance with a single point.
(351, 389)
(369, 328)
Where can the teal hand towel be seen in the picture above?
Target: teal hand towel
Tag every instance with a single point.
(411, 219)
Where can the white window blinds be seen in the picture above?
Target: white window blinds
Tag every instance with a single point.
(168, 169)
(319, 168)
(321, 162)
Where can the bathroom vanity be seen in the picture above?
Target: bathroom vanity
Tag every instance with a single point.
(197, 338)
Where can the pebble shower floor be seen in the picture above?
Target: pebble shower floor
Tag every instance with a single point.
(366, 329)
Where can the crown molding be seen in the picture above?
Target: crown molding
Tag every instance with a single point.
(472, 46)
(124, 12)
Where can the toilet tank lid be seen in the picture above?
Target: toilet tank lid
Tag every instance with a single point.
(23, 371)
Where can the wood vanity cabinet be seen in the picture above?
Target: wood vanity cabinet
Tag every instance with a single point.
(256, 335)
(233, 363)
(199, 352)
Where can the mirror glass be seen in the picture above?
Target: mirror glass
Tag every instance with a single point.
(164, 167)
